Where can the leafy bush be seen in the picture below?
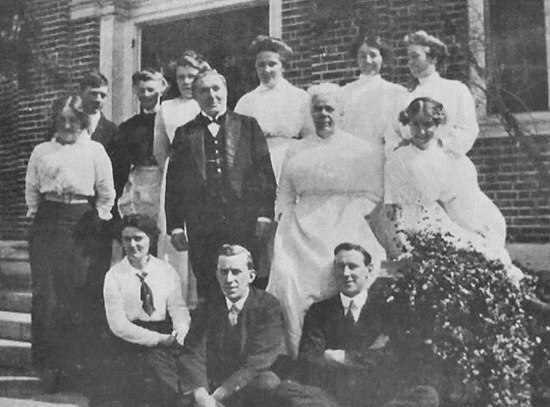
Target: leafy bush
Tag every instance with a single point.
(473, 317)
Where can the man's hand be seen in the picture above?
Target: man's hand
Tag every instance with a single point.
(203, 399)
(263, 229)
(335, 357)
(167, 341)
(179, 241)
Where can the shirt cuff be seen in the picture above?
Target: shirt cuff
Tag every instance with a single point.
(104, 214)
(177, 231)
(264, 219)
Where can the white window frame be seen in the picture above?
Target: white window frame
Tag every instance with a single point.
(536, 122)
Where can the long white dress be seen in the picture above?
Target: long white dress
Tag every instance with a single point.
(438, 191)
(171, 115)
(370, 109)
(283, 114)
(460, 132)
(322, 200)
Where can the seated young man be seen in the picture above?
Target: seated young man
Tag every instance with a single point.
(346, 347)
(238, 338)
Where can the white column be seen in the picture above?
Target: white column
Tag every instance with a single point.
(276, 18)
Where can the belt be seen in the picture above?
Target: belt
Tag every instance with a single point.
(66, 198)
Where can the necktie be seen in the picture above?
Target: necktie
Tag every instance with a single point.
(233, 315)
(146, 295)
(349, 314)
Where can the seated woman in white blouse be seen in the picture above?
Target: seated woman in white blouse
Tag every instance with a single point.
(145, 308)
(425, 53)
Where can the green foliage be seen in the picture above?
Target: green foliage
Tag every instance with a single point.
(466, 307)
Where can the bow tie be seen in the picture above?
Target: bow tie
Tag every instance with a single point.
(208, 120)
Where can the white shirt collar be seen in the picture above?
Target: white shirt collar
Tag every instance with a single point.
(359, 300)
(369, 78)
(429, 78)
(280, 86)
(239, 304)
(213, 118)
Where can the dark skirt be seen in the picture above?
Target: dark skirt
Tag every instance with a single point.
(59, 266)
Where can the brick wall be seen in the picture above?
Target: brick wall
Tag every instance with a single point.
(65, 50)
(321, 48)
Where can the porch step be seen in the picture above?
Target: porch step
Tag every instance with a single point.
(15, 353)
(52, 400)
(15, 326)
(15, 269)
(15, 300)
(18, 383)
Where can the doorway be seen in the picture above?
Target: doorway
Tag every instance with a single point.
(222, 38)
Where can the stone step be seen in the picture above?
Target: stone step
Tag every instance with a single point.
(51, 400)
(15, 274)
(15, 325)
(14, 250)
(15, 353)
(15, 300)
(19, 383)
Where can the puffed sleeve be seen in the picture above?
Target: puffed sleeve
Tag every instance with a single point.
(461, 132)
(161, 141)
(103, 184)
(32, 185)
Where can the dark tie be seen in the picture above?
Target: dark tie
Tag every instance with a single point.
(349, 314)
(233, 315)
(146, 295)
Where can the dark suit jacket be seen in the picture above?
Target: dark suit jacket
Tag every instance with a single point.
(375, 375)
(106, 133)
(250, 174)
(261, 341)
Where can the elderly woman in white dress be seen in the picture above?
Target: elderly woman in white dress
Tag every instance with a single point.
(425, 52)
(172, 114)
(281, 109)
(323, 197)
(370, 103)
(432, 189)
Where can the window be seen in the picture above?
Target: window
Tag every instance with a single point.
(516, 55)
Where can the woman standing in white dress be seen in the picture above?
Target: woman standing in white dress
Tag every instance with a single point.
(425, 52)
(172, 114)
(322, 200)
(281, 109)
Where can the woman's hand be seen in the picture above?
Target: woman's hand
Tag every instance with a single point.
(179, 241)
(167, 341)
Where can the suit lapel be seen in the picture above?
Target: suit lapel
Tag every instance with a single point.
(233, 150)
(196, 138)
(248, 304)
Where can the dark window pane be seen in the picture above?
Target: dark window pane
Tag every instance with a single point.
(517, 55)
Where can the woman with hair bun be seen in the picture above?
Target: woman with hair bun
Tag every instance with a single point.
(281, 109)
(431, 189)
(69, 193)
(371, 103)
(425, 52)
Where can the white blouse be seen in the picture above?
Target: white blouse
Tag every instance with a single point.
(172, 114)
(461, 130)
(123, 302)
(282, 111)
(82, 168)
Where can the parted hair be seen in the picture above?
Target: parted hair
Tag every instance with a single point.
(73, 102)
(228, 250)
(263, 43)
(373, 41)
(93, 79)
(204, 74)
(437, 49)
(142, 222)
(149, 74)
(430, 107)
(348, 247)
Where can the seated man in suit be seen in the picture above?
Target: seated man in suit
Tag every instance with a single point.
(345, 346)
(242, 335)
